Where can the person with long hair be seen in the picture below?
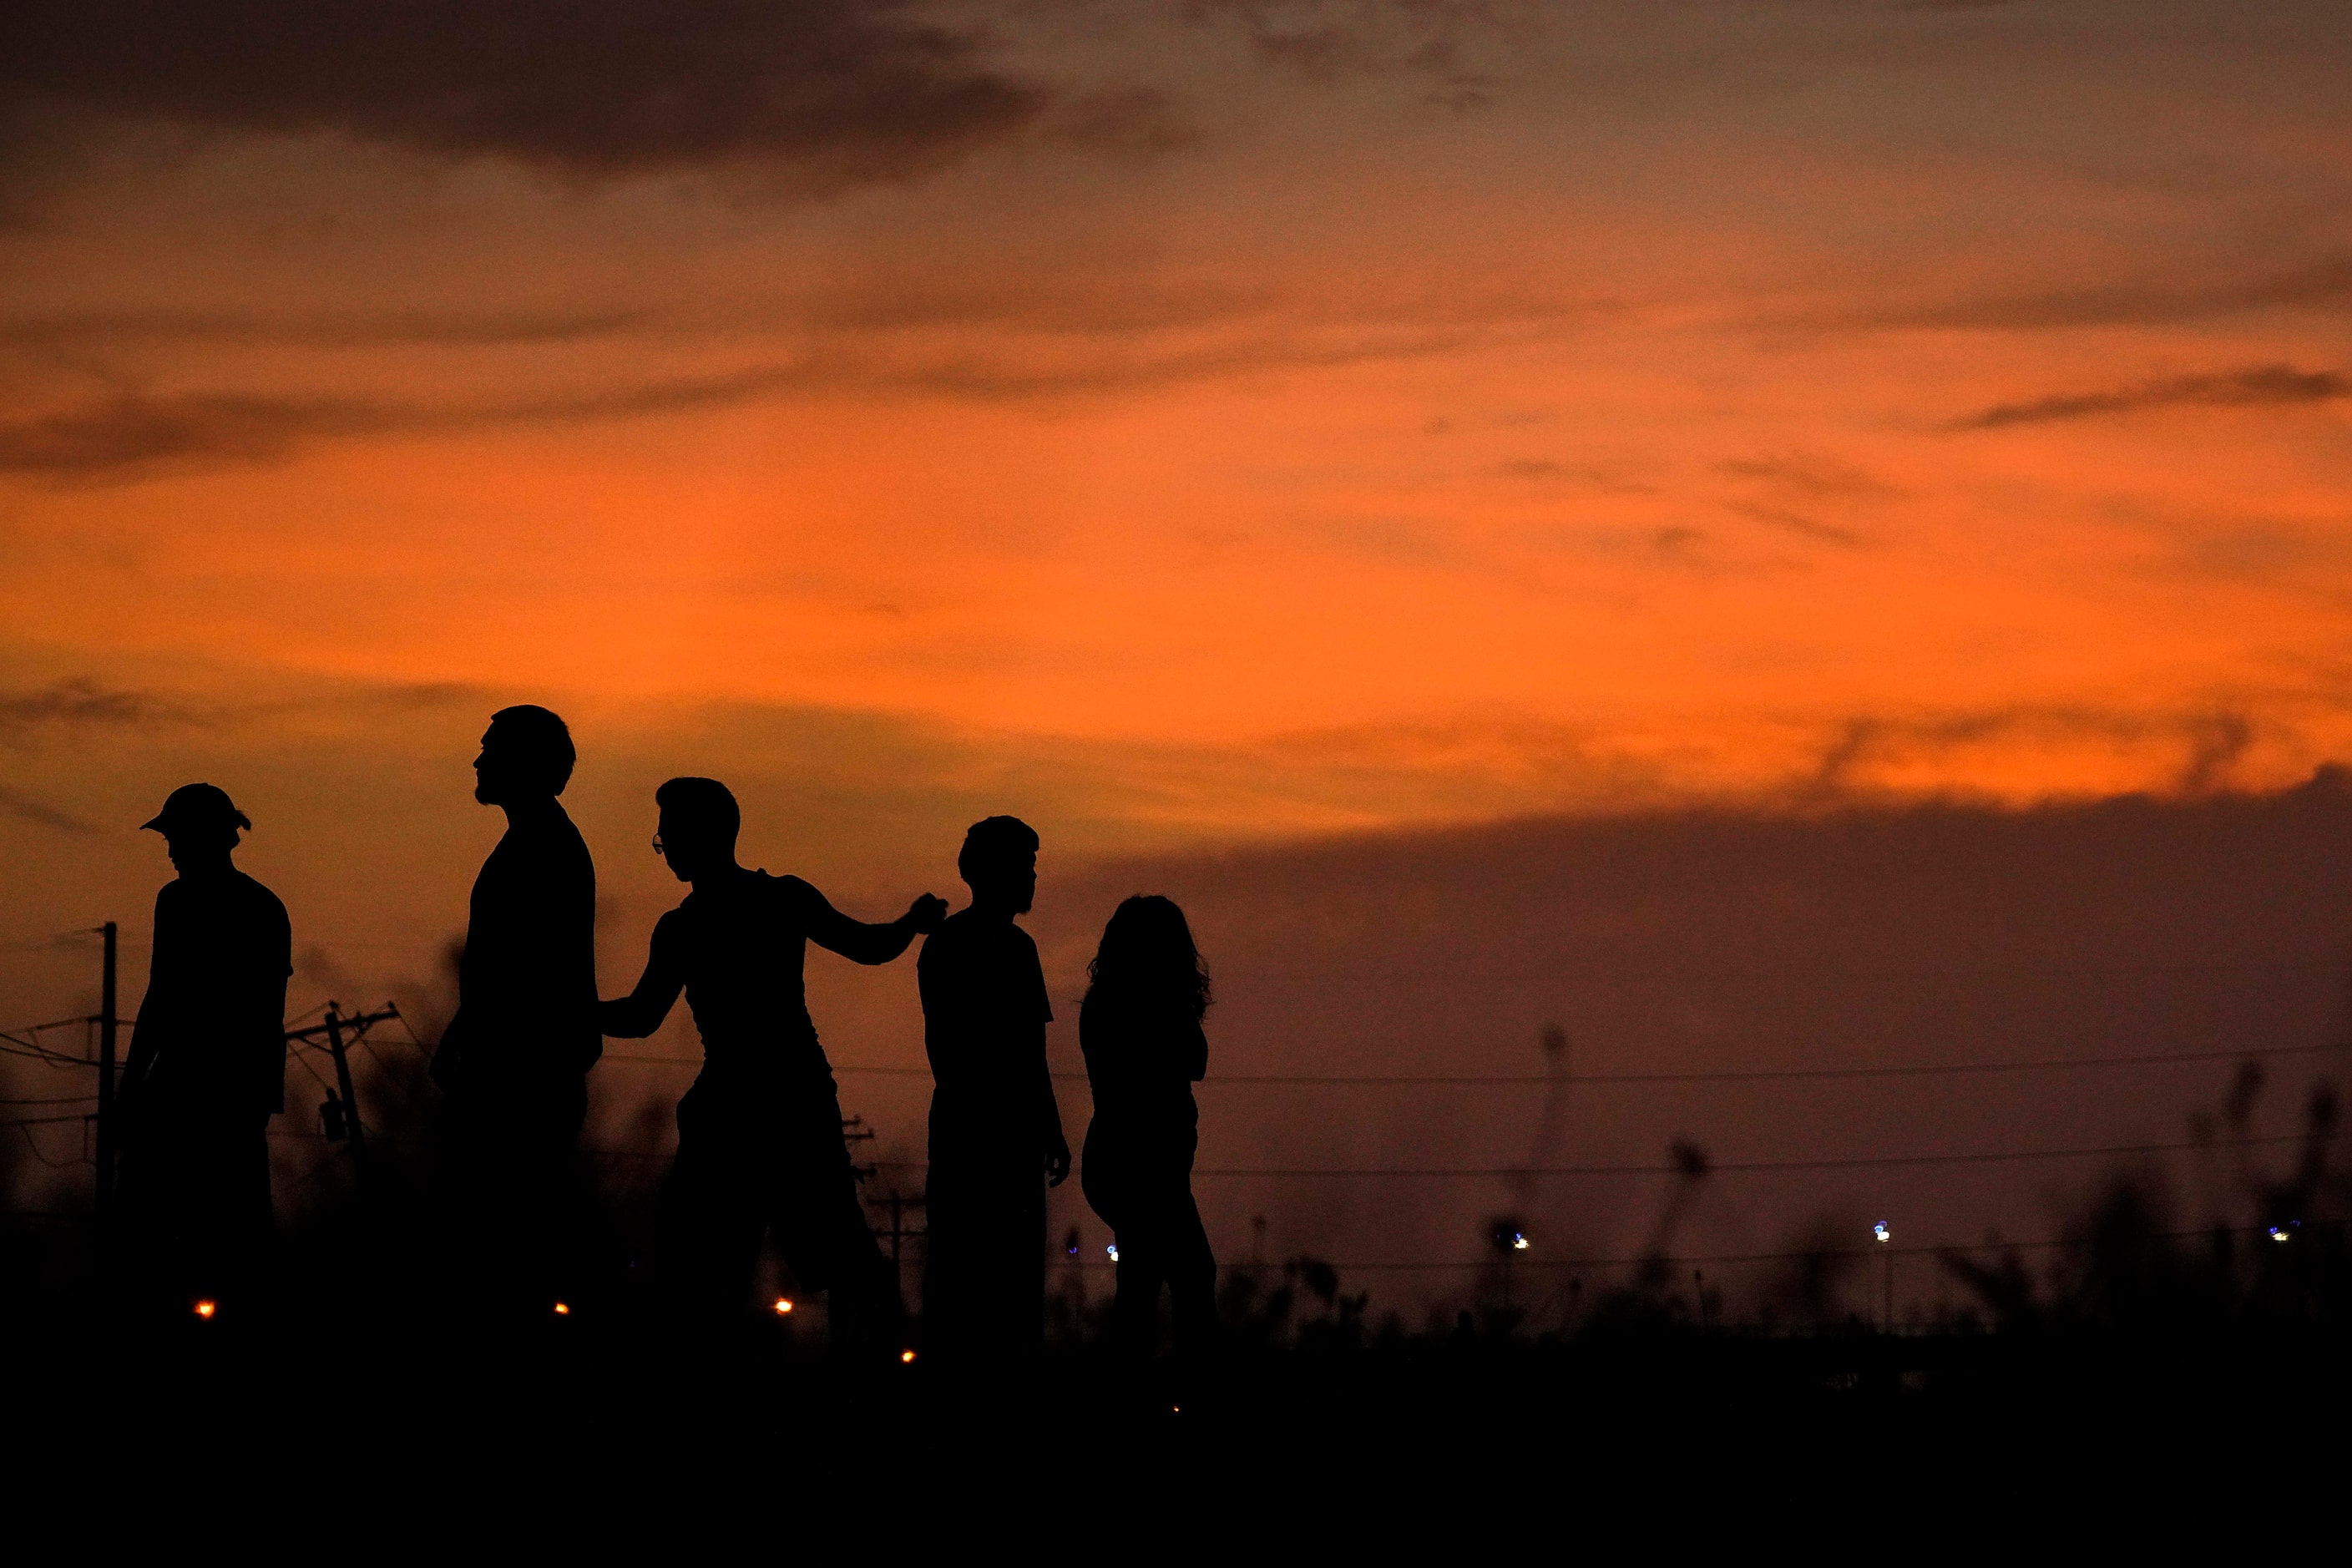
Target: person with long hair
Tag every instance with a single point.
(1139, 1027)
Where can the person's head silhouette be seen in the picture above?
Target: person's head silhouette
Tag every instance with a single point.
(527, 757)
(1148, 954)
(999, 863)
(199, 825)
(699, 820)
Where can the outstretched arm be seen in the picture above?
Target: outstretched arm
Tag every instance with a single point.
(641, 1012)
(863, 943)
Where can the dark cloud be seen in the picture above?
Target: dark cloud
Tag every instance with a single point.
(1715, 940)
(1135, 123)
(316, 329)
(1798, 523)
(1806, 475)
(885, 295)
(1325, 40)
(73, 703)
(27, 809)
(2257, 386)
(2137, 302)
(839, 91)
(131, 435)
(1795, 486)
(135, 435)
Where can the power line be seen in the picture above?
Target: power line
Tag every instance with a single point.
(1901, 1073)
(25, 1128)
(1867, 1249)
(1539, 1080)
(1712, 1167)
(45, 1058)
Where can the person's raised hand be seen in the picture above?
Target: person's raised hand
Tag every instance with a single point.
(1057, 1162)
(927, 913)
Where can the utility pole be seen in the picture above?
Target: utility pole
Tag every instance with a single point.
(855, 1130)
(107, 1024)
(340, 1113)
(899, 1203)
(334, 1027)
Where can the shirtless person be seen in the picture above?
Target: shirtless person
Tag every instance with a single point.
(759, 1135)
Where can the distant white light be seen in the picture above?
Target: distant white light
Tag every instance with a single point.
(1518, 1241)
(2281, 1232)
(1880, 1233)
(1113, 1250)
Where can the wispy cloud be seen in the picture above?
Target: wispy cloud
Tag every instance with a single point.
(1798, 523)
(129, 436)
(26, 808)
(2202, 744)
(2256, 386)
(132, 435)
(1788, 491)
(76, 702)
(1808, 475)
(455, 329)
(1434, 40)
(2142, 301)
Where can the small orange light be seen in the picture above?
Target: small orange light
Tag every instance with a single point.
(784, 1307)
(907, 1356)
(562, 1310)
(206, 1308)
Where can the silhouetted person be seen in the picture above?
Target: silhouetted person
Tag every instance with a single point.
(996, 1133)
(1140, 1027)
(514, 1060)
(207, 1066)
(760, 1146)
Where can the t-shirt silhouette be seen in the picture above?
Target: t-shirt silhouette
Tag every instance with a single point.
(984, 1013)
(210, 1035)
(526, 1015)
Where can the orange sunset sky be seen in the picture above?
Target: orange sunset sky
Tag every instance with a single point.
(1401, 411)
(1191, 424)
(1254, 418)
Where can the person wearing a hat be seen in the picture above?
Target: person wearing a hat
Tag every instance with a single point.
(207, 1066)
(514, 1059)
